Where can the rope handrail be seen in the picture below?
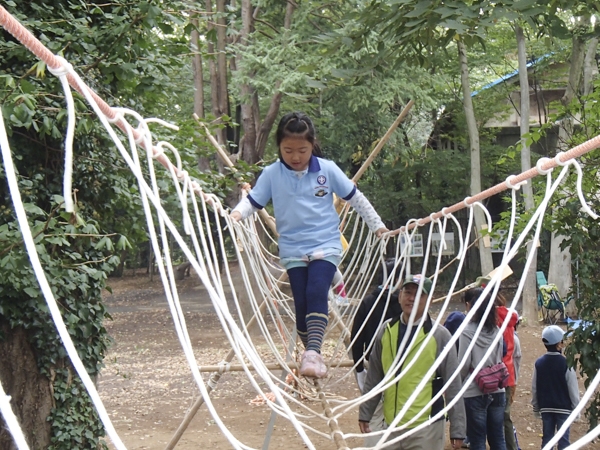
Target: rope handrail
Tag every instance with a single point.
(515, 180)
(54, 63)
(242, 344)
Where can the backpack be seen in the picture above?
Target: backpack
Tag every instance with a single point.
(492, 378)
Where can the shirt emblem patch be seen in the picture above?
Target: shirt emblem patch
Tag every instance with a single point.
(321, 179)
(321, 193)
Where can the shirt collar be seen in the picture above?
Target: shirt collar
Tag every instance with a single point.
(426, 325)
(313, 164)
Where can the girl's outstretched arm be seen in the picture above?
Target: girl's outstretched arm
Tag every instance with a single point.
(363, 207)
(243, 210)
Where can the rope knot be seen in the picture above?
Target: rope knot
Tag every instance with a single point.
(224, 366)
(63, 69)
(538, 166)
(116, 118)
(142, 132)
(515, 186)
(183, 175)
(558, 161)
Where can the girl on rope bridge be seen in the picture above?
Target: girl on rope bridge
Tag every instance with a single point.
(301, 185)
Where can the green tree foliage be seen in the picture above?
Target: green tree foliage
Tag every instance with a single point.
(76, 261)
(351, 65)
(121, 51)
(583, 234)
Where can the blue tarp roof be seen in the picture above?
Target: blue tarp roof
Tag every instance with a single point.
(509, 75)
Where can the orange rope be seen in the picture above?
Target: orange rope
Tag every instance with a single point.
(14, 27)
(575, 152)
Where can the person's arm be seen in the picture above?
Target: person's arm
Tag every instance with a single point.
(457, 415)
(346, 189)
(374, 377)
(573, 387)
(358, 348)
(534, 399)
(363, 207)
(257, 198)
(243, 210)
(517, 358)
(463, 343)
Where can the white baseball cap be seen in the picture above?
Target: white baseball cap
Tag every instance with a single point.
(552, 335)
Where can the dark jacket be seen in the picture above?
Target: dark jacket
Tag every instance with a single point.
(554, 388)
(381, 308)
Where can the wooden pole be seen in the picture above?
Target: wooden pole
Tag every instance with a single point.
(214, 378)
(212, 383)
(505, 274)
(282, 379)
(383, 141)
(270, 366)
(380, 145)
(270, 221)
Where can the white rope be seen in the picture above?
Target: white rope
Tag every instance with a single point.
(47, 291)
(256, 265)
(494, 284)
(61, 72)
(11, 421)
(591, 435)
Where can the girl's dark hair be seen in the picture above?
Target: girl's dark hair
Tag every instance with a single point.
(297, 124)
(473, 297)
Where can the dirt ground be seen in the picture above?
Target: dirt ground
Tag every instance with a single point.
(147, 386)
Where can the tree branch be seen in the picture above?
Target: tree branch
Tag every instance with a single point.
(113, 45)
(326, 18)
(264, 22)
(315, 25)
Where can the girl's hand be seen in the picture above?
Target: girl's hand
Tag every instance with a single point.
(380, 231)
(235, 216)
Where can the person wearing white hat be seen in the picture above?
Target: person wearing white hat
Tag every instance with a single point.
(554, 388)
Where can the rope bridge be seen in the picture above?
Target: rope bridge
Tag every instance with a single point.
(265, 283)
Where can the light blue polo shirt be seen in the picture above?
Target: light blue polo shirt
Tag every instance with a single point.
(304, 212)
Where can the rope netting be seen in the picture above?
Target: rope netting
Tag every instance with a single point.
(265, 287)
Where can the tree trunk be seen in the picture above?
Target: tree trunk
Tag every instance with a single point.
(485, 254)
(222, 60)
(267, 124)
(588, 66)
(31, 397)
(256, 132)
(559, 272)
(198, 73)
(182, 270)
(214, 76)
(248, 143)
(203, 161)
(529, 291)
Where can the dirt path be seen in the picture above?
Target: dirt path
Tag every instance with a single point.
(147, 386)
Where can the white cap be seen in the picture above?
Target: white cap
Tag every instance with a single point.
(552, 335)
